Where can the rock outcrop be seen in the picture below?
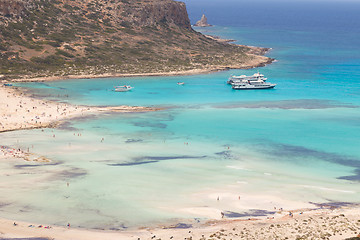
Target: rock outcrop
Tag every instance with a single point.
(11, 8)
(202, 22)
(162, 12)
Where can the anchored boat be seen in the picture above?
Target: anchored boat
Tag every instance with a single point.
(124, 88)
(238, 79)
(253, 85)
(243, 82)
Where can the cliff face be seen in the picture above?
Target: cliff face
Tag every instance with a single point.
(61, 37)
(141, 13)
(172, 13)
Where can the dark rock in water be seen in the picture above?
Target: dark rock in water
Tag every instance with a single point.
(181, 226)
(152, 159)
(333, 205)
(202, 22)
(355, 177)
(224, 154)
(130, 163)
(69, 174)
(250, 213)
(130, 140)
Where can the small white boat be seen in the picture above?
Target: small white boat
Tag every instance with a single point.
(124, 88)
(180, 83)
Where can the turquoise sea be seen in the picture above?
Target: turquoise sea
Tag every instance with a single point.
(287, 147)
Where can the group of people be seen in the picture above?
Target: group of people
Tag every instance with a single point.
(39, 226)
(11, 152)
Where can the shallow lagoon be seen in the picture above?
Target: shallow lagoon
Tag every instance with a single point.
(153, 167)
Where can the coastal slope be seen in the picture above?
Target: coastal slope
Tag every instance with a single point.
(46, 38)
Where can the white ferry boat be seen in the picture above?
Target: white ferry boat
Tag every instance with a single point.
(256, 81)
(238, 79)
(253, 85)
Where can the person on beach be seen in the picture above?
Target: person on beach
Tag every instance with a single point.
(222, 214)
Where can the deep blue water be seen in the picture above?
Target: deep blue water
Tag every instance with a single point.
(279, 15)
(298, 142)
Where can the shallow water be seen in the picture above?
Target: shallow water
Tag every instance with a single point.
(294, 144)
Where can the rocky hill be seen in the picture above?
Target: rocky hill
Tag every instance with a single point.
(75, 37)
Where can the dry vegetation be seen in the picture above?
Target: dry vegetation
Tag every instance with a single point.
(77, 37)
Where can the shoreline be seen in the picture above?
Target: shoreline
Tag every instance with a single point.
(258, 61)
(20, 111)
(321, 223)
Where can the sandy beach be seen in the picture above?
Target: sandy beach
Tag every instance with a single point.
(326, 223)
(20, 111)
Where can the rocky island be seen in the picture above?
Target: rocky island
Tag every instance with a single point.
(63, 38)
(202, 22)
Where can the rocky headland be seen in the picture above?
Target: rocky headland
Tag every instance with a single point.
(59, 38)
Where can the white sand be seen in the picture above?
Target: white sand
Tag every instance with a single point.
(18, 111)
(317, 224)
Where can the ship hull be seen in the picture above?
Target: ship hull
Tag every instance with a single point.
(252, 87)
